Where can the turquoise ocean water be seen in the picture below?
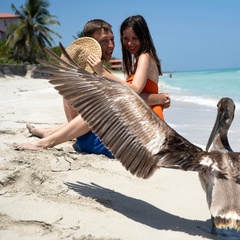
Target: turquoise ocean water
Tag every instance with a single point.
(204, 87)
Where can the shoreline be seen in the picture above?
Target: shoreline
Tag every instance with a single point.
(59, 194)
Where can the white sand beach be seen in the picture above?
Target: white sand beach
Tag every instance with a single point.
(58, 194)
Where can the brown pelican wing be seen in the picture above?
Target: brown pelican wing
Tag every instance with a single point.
(127, 126)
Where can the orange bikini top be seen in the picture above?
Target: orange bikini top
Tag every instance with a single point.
(150, 87)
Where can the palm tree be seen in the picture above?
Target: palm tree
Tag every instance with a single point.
(31, 34)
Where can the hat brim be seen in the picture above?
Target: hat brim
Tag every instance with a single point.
(80, 49)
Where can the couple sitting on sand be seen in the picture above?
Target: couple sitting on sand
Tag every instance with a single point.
(140, 64)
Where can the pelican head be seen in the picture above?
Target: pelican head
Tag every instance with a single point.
(218, 139)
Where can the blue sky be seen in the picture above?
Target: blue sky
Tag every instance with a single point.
(188, 34)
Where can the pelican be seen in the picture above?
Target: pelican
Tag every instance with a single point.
(218, 139)
(142, 142)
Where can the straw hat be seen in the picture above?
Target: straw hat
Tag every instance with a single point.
(81, 48)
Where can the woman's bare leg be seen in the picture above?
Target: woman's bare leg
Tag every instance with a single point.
(75, 128)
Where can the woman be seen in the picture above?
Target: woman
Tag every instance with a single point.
(143, 72)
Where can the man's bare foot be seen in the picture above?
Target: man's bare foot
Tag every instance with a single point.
(38, 132)
(33, 145)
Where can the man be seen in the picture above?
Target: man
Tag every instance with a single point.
(101, 31)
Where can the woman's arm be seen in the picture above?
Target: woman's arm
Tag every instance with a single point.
(153, 99)
(142, 73)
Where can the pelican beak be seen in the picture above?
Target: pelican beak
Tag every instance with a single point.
(215, 131)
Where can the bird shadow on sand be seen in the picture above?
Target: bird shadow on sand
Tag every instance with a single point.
(141, 211)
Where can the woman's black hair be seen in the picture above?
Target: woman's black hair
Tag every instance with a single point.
(140, 27)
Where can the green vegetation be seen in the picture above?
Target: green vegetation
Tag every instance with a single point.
(6, 54)
(27, 38)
